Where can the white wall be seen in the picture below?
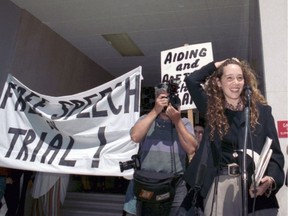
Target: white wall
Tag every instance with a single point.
(274, 37)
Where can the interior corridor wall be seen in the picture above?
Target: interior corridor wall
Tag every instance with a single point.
(274, 37)
(40, 58)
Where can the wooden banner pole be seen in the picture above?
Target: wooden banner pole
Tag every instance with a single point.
(190, 116)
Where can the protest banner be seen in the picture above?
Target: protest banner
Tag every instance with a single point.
(85, 133)
(180, 62)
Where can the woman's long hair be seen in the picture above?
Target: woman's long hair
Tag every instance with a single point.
(216, 101)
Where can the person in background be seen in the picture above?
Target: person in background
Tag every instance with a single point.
(130, 200)
(16, 186)
(49, 192)
(223, 99)
(155, 132)
(3, 174)
(86, 184)
(199, 131)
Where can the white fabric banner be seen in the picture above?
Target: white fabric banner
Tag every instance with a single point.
(85, 133)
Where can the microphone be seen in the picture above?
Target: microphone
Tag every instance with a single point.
(248, 93)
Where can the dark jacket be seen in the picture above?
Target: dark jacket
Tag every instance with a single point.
(206, 159)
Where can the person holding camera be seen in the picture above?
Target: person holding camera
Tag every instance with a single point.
(165, 139)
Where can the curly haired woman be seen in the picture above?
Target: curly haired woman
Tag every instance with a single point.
(218, 89)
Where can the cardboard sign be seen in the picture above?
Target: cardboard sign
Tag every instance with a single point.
(180, 62)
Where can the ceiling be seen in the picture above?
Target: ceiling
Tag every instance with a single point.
(153, 25)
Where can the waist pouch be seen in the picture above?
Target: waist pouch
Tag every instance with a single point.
(155, 187)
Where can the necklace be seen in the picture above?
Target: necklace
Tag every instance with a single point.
(239, 106)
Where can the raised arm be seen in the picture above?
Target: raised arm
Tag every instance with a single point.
(187, 140)
(194, 85)
(141, 127)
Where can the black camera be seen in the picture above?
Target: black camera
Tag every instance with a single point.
(172, 90)
(131, 164)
